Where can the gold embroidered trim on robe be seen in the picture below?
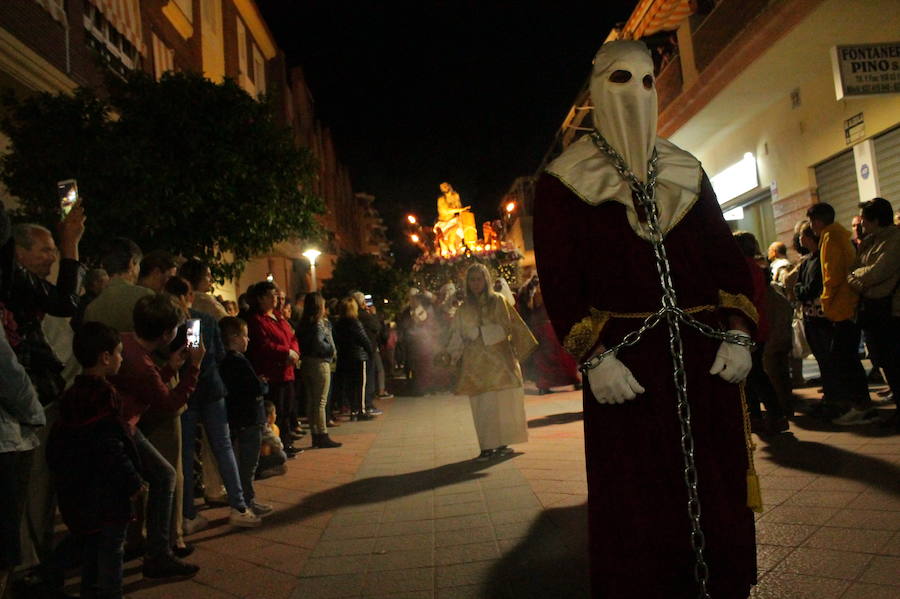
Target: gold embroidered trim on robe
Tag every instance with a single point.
(583, 335)
(739, 302)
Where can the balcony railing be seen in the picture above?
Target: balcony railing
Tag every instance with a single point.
(721, 26)
(669, 82)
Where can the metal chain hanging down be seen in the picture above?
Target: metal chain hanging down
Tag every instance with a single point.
(674, 317)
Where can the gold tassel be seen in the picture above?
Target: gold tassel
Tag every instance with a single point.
(754, 493)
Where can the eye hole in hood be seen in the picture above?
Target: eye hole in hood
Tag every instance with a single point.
(620, 76)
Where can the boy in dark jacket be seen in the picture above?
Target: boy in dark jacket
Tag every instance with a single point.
(244, 403)
(94, 461)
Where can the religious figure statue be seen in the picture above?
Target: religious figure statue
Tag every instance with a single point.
(448, 230)
(455, 227)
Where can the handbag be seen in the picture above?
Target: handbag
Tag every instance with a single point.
(799, 346)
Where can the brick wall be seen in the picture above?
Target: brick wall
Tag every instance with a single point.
(33, 26)
(789, 210)
(187, 53)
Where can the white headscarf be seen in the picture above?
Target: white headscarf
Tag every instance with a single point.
(505, 291)
(625, 115)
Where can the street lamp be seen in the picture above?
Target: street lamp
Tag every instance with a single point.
(311, 255)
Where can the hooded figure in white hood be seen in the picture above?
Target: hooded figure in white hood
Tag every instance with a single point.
(600, 282)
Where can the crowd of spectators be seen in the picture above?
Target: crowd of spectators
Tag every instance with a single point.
(107, 419)
(841, 291)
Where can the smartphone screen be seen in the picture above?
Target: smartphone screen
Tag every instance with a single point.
(368, 300)
(68, 194)
(193, 332)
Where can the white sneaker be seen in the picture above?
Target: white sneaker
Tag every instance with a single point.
(261, 509)
(855, 417)
(246, 519)
(195, 524)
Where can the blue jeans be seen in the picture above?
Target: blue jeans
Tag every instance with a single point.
(101, 570)
(161, 476)
(215, 424)
(246, 449)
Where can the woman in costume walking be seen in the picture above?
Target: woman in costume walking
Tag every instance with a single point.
(490, 338)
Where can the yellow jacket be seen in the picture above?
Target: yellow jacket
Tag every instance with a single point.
(837, 255)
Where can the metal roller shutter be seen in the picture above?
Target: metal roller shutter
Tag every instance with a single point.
(887, 157)
(836, 181)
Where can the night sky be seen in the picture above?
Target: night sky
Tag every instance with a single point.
(418, 93)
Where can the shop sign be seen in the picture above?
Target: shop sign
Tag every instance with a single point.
(866, 69)
(854, 129)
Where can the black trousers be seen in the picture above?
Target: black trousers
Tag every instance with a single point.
(282, 395)
(884, 345)
(15, 470)
(351, 379)
(850, 377)
(760, 388)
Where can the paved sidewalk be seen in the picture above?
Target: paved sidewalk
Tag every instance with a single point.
(403, 511)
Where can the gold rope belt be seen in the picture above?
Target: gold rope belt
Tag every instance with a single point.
(642, 315)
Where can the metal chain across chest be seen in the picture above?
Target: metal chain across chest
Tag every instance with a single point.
(674, 317)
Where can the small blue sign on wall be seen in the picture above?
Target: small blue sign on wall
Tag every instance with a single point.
(864, 171)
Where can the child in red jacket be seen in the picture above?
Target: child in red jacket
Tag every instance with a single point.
(95, 464)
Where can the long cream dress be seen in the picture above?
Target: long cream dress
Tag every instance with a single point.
(491, 338)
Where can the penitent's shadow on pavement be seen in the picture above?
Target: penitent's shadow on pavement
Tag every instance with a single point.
(376, 489)
(819, 458)
(551, 419)
(551, 561)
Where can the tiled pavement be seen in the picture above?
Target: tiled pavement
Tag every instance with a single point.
(402, 511)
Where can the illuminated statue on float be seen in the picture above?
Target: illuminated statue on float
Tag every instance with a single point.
(455, 227)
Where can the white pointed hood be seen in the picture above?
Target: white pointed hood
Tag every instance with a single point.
(625, 114)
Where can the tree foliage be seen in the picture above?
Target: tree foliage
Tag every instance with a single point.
(182, 164)
(366, 273)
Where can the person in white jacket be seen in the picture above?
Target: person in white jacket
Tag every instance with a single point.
(21, 414)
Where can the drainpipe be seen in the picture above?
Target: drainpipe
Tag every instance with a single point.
(68, 48)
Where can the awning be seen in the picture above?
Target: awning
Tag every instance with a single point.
(652, 16)
(125, 17)
(55, 8)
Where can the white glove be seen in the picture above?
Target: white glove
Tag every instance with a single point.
(612, 382)
(733, 362)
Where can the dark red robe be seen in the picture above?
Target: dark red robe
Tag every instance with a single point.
(553, 365)
(589, 257)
